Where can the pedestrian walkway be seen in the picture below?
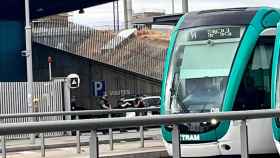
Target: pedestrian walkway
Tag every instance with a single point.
(70, 141)
(125, 145)
(153, 149)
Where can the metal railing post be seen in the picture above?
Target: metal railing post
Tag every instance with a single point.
(111, 135)
(32, 136)
(43, 149)
(93, 145)
(141, 132)
(244, 139)
(3, 143)
(176, 147)
(78, 138)
(3, 146)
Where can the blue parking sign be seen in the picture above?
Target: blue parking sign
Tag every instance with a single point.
(98, 88)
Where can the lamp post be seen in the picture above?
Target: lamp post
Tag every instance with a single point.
(127, 13)
(185, 6)
(173, 8)
(28, 54)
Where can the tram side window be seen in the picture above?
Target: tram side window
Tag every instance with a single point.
(254, 91)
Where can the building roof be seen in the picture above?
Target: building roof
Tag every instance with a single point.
(14, 9)
(159, 20)
(135, 55)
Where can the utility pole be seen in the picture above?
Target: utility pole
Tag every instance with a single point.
(114, 16)
(185, 6)
(28, 54)
(173, 8)
(127, 13)
(118, 16)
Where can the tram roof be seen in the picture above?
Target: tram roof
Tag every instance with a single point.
(14, 9)
(231, 16)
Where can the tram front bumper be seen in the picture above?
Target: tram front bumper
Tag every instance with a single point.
(196, 150)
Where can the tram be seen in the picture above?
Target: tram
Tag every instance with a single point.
(218, 61)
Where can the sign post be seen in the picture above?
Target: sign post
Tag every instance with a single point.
(71, 81)
(67, 99)
(50, 67)
(67, 96)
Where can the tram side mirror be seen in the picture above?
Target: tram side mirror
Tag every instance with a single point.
(179, 62)
(172, 91)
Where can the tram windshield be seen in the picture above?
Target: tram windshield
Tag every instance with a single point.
(200, 66)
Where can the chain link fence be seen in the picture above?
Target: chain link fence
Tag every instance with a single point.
(105, 46)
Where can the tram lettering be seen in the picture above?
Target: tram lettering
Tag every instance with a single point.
(190, 137)
(193, 36)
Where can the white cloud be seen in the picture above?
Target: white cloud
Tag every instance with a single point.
(103, 14)
(217, 4)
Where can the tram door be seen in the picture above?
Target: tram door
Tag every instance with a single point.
(257, 80)
(275, 88)
(255, 93)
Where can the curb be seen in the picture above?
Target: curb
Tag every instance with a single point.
(66, 145)
(152, 153)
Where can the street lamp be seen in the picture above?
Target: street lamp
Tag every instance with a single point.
(185, 6)
(173, 8)
(28, 54)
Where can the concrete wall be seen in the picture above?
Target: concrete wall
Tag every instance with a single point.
(12, 42)
(118, 82)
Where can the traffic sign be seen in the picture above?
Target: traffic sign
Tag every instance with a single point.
(74, 80)
(98, 88)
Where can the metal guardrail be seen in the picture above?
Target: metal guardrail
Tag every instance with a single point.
(77, 114)
(175, 119)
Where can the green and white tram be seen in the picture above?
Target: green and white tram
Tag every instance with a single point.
(223, 60)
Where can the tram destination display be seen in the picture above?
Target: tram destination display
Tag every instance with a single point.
(214, 33)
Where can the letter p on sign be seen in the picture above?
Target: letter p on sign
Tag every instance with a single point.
(98, 88)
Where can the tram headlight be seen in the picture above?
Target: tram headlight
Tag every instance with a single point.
(214, 121)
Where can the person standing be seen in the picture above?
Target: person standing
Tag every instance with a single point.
(105, 103)
(139, 103)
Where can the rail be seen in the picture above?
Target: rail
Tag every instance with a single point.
(175, 120)
(77, 114)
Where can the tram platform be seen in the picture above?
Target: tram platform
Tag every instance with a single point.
(152, 149)
(126, 145)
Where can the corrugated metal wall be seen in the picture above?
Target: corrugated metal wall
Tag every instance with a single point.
(12, 63)
(48, 96)
(118, 81)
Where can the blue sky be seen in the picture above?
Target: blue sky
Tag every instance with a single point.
(103, 14)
